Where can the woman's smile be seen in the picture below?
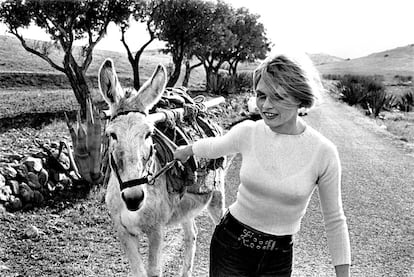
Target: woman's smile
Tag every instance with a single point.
(270, 115)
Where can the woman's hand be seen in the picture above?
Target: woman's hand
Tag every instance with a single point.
(182, 153)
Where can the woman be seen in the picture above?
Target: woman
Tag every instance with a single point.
(283, 161)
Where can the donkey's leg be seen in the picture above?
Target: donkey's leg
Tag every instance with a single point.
(216, 206)
(130, 243)
(190, 237)
(155, 238)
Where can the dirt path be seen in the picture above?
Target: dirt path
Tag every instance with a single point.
(378, 172)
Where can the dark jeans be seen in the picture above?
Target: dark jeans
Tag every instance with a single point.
(229, 257)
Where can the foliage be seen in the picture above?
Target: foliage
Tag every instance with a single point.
(403, 78)
(244, 81)
(180, 23)
(407, 101)
(250, 42)
(65, 22)
(221, 84)
(367, 91)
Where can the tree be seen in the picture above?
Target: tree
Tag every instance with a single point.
(141, 11)
(217, 39)
(66, 22)
(179, 23)
(250, 41)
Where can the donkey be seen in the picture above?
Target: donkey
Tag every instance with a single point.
(131, 151)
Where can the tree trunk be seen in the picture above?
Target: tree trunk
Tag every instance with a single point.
(135, 70)
(175, 75)
(77, 81)
(187, 73)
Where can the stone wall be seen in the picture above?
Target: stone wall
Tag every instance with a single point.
(33, 180)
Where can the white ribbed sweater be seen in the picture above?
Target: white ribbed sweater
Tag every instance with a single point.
(278, 176)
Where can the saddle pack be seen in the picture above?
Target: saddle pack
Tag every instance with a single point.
(179, 131)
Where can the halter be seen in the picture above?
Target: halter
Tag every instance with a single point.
(150, 177)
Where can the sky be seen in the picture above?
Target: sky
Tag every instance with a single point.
(342, 28)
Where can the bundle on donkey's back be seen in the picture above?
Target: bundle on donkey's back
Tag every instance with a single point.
(146, 189)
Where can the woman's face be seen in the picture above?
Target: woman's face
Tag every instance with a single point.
(279, 118)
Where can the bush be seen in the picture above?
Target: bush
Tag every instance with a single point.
(221, 84)
(224, 84)
(368, 91)
(244, 81)
(407, 101)
(403, 79)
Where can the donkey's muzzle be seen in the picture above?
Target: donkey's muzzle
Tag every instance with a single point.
(132, 197)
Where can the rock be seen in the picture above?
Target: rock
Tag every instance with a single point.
(14, 185)
(26, 193)
(43, 177)
(31, 232)
(5, 193)
(8, 171)
(33, 180)
(65, 181)
(38, 198)
(15, 156)
(33, 164)
(51, 186)
(2, 211)
(22, 172)
(2, 181)
(14, 204)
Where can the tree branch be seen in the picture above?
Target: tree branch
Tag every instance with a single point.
(92, 44)
(130, 57)
(37, 53)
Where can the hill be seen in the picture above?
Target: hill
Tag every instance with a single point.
(397, 61)
(14, 58)
(321, 58)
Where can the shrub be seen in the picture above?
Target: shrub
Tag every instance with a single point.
(403, 79)
(407, 101)
(243, 81)
(221, 84)
(368, 91)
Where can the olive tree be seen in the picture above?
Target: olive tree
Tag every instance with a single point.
(65, 21)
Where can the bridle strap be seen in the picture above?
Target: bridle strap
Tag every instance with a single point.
(130, 183)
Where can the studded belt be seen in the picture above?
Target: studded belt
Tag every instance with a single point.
(255, 239)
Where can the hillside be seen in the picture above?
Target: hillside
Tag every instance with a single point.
(321, 58)
(14, 58)
(397, 61)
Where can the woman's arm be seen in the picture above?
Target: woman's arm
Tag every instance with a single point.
(215, 147)
(329, 187)
(342, 270)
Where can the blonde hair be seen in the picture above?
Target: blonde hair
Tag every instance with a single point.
(295, 73)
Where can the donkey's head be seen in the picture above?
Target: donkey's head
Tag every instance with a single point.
(131, 150)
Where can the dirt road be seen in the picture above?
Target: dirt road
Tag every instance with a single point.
(377, 188)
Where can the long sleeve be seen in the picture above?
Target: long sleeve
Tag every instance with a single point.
(215, 147)
(329, 184)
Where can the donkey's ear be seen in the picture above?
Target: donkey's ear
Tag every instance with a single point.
(151, 92)
(109, 85)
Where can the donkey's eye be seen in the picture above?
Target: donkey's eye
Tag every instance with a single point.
(147, 135)
(113, 136)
